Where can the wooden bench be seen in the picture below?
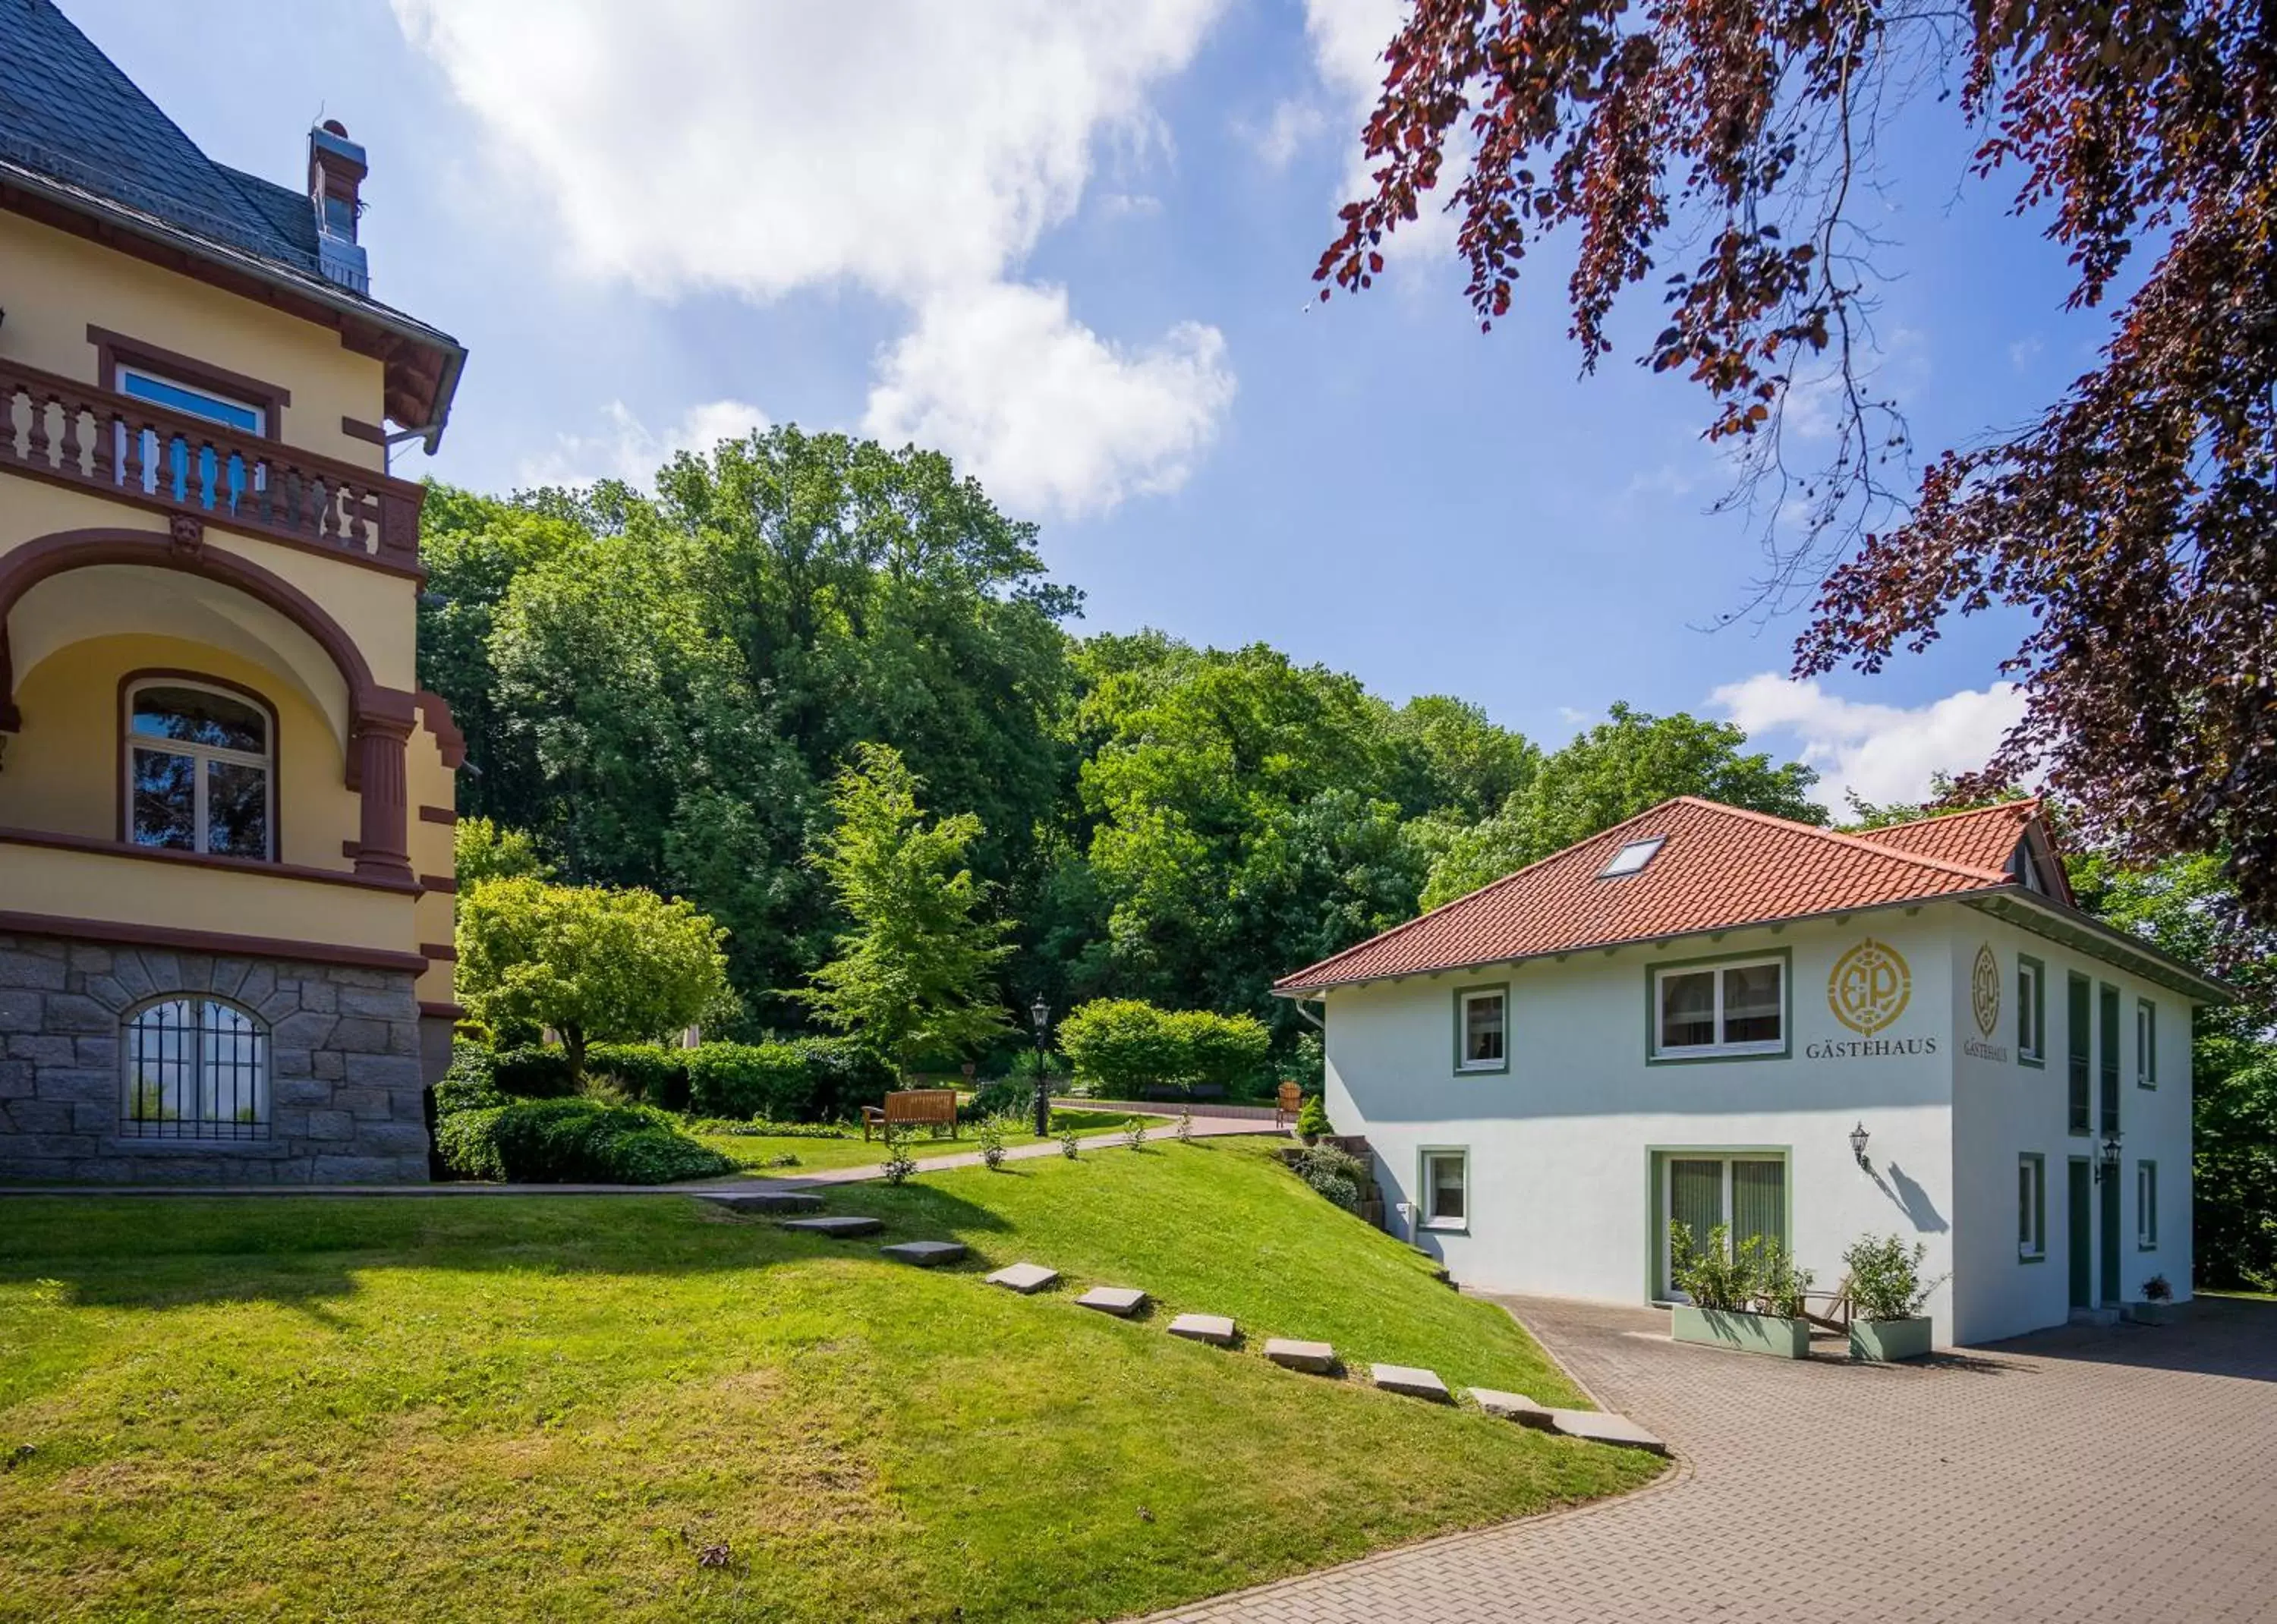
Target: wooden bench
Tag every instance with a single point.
(913, 1108)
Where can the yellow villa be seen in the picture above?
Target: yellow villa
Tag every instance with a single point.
(226, 805)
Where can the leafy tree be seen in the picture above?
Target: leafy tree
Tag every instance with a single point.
(596, 965)
(2130, 521)
(1944, 795)
(916, 976)
(1624, 765)
(2188, 906)
(482, 850)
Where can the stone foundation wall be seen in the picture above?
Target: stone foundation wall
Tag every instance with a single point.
(345, 1089)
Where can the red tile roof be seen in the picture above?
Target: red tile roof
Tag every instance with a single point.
(1984, 838)
(1718, 868)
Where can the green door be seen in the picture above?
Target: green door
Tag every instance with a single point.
(2111, 1238)
(2080, 1194)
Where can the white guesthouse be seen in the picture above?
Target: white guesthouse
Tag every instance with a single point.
(1690, 1017)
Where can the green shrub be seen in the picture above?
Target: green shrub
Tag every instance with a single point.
(990, 1136)
(1716, 1277)
(1782, 1284)
(751, 1080)
(847, 1074)
(1122, 1046)
(1005, 1097)
(649, 1073)
(573, 1140)
(1332, 1171)
(1886, 1280)
(468, 1085)
(1312, 1117)
(761, 1128)
(533, 1073)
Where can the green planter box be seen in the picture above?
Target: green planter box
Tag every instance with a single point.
(1883, 1341)
(1750, 1333)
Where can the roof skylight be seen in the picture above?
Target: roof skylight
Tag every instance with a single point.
(1631, 857)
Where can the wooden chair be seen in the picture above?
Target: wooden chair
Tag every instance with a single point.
(1838, 1307)
(1286, 1105)
(913, 1108)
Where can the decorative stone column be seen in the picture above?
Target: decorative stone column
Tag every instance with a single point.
(383, 841)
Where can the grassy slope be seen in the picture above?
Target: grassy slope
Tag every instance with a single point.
(543, 1407)
(755, 1152)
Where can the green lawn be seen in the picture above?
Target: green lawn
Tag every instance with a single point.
(512, 1407)
(757, 1152)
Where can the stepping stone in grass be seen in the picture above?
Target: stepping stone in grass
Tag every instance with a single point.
(925, 1253)
(844, 1227)
(1026, 1278)
(1214, 1329)
(1314, 1356)
(1121, 1301)
(766, 1201)
(1510, 1407)
(1600, 1428)
(1414, 1383)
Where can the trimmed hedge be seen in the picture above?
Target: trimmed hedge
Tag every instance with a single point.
(574, 1140)
(815, 1080)
(1123, 1046)
(647, 1072)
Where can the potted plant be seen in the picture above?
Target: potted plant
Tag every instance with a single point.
(2158, 1305)
(1886, 1294)
(1747, 1297)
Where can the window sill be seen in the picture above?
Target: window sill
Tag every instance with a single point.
(1482, 1069)
(2038, 1062)
(1443, 1227)
(1740, 1051)
(247, 1150)
(2031, 1257)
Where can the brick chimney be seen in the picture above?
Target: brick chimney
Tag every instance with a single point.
(336, 170)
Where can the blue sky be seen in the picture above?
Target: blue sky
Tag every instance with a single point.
(1072, 246)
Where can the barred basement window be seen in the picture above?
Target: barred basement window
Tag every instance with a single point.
(197, 1068)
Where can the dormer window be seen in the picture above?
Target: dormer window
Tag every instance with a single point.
(1632, 858)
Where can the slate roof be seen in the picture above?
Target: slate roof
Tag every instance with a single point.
(67, 112)
(1718, 868)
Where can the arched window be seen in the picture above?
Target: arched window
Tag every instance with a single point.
(197, 1068)
(199, 769)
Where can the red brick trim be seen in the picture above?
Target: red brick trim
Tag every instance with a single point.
(197, 859)
(209, 941)
(444, 953)
(444, 882)
(437, 815)
(356, 428)
(442, 1012)
(112, 349)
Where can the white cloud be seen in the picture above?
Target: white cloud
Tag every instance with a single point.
(1883, 751)
(914, 149)
(1294, 124)
(1348, 37)
(1042, 409)
(632, 451)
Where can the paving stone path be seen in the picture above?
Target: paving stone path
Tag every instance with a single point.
(2120, 1474)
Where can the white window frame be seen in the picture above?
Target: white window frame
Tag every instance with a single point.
(202, 753)
(1427, 1189)
(2146, 1044)
(1663, 1050)
(2032, 1010)
(1464, 999)
(2032, 1208)
(1617, 865)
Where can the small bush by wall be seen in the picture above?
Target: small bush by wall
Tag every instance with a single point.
(572, 1141)
(649, 1073)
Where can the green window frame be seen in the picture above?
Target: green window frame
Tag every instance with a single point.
(1701, 1054)
(2146, 1206)
(1427, 1215)
(2107, 1057)
(2146, 1044)
(2031, 1208)
(1660, 1199)
(2031, 1011)
(2079, 1033)
(1465, 1066)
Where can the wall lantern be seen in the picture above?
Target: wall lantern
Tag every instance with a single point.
(1858, 1145)
(2107, 1164)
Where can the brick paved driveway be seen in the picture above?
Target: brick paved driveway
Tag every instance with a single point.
(2128, 1474)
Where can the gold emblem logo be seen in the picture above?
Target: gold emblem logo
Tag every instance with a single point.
(1984, 990)
(1869, 987)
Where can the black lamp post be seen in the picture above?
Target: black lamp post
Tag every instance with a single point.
(1858, 1144)
(1040, 1013)
(2107, 1164)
